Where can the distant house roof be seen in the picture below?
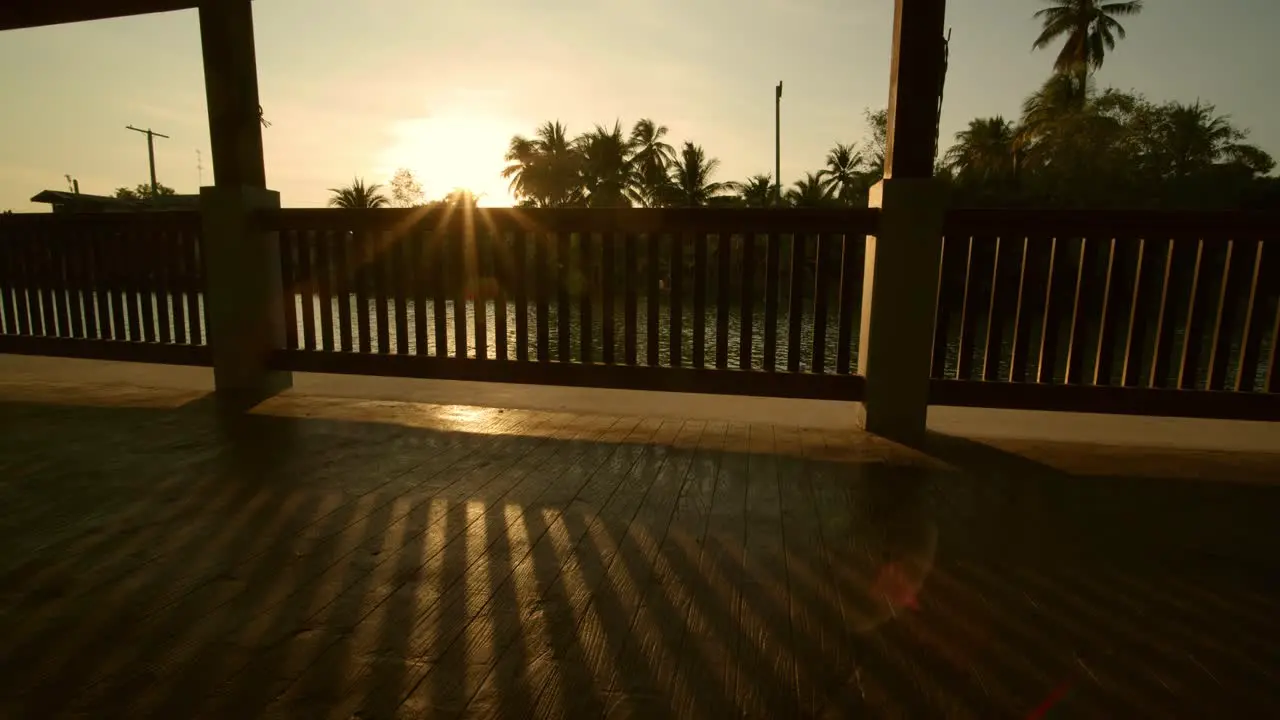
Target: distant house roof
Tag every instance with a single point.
(63, 201)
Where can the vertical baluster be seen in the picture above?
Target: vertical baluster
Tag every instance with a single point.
(144, 242)
(1109, 317)
(365, 250)
(1271, 379)
(73, 262)
(163, 253)
(1078, 328)
(344, 285)
(418, 284)
(724, 250)
(630, 269)
(1023, 314)
(324, 286)
(41, 306)
(119, 284)
(542, 291)
(967, 335)
(501, 263)
(676, 308)
(479, 272)
(461, 266)
(1254, 328)
(307, 286)
(97, 320)
(56, 253)
(818, 362)
(946, 304)
(772, 279)
(795, 301)
(1233, 285)
(1143, 267)
(22, 283)
(1047, 361)
(8, 314)
(745, 302)
(586, 265)
(1199, 297)
(380, 273)
(1163, 344)
(608, 318)
(194, 260)
(136, 271)
(400, 268)
(992, 349)
(520, 279)
(178, 284)
(653, 337)
(847, 304)
(700, 270)
(562, 269)
(439, 256)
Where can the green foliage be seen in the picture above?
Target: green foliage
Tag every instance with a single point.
(143, 192)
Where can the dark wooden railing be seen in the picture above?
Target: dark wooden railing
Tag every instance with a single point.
(103, 285)
(684, 300)
(1141, 312)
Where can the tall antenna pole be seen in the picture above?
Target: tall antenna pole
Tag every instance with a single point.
(777, 145)
(199, 169)
(151, 152)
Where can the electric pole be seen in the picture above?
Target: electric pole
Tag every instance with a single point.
(777, 145)
(151, 152)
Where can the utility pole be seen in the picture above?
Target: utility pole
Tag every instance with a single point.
(777, 145)
(151, 152)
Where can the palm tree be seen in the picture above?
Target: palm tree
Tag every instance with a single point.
(651, 158)
(1089, 27)
(757, 192)
(984, 151)
(812, 191)
(357, 195)
(1194, 139)
(543, 170)
(691, 184)
(844, 171)
(608, 176)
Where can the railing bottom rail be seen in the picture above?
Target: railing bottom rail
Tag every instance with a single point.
(117, 350)
(1159, 402)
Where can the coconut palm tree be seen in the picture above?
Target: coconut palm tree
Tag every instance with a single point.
(357, 195)
(844, 171)
(811, 191)
(757, 192)
(607, 167)
(691, 183)
(543, 170)
(984, 151)
(651, 158)
(1089, 28)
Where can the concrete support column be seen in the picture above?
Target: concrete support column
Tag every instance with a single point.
(243, 294)
(899, 299)
(231, 92)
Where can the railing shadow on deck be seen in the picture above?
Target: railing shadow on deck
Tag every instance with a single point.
(676, 575)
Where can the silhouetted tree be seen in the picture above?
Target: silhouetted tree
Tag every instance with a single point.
(406, 192)
(143, 192)
(1088, 29)
(357, 195)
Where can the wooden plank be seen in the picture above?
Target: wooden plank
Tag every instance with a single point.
(382, 273)
(119, 278)
(439, 258)
(675, 313)
(1156, 402)
(64, 288)
(950, 298)
(1254, 325)
(746, 312)
(638, 377)
(324, 285)
(587, 268)
(8, 280)
(700, 270)
(135, 283)
(418, 290)
(400, 287)
(1050, 316)
(1020, 343)
(1143, 274)
(365, 250)
(97, 316)
(542, 293)
(42, 320)
(478, 272)
(462, 266)
(502, 273)
(144, 245)
(164, 253)
(724, 250)
(967, 338)
(820, 293)
(1081, 318)
(564, 274)
(1162, 344)
(520, 281)
(1200, 296)
(307, 287)
(652, 293)
(344, 286)
(114, 350)
(608, 291)
(289, 287)
(198, 334)
(772, 281)
(849, 303)
(1110, 316)
(630, 269)
(1232, 288)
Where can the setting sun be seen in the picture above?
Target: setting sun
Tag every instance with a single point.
(452, 151)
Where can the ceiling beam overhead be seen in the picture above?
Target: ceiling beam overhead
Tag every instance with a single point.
(15, 14)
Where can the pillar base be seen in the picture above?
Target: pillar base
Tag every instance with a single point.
(243, 295)
(899, 302)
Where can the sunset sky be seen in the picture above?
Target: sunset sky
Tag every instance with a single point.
(361, 88)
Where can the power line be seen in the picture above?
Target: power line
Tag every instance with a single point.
(151, 152)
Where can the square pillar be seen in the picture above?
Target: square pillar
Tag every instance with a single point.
(899, 300)
(231, 92)
(243, 294)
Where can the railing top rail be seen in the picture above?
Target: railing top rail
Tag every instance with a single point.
(857, 221)
(1119, 224)
(158, 220)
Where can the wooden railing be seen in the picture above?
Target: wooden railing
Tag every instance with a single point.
(740, 301)
(103, 285)
(1144, 312)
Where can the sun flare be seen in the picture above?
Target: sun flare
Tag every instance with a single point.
(453, 151)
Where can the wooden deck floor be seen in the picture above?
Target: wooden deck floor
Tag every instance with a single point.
(342, 559)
